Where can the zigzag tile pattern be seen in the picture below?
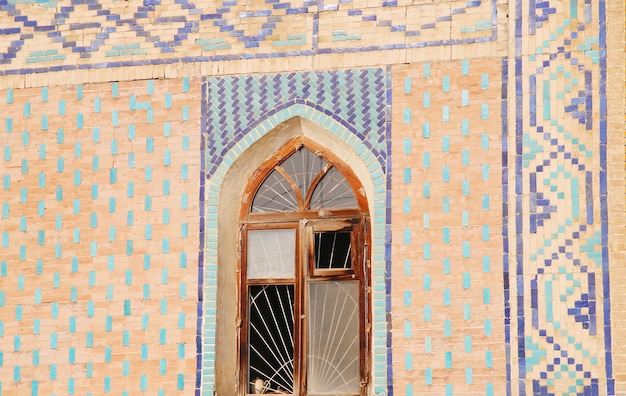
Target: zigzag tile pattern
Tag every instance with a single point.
(56, 35)
(561, 276)
(235, 105)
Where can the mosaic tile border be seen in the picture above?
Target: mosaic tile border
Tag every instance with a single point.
(527, 350)
(216, 167)
(192, 16)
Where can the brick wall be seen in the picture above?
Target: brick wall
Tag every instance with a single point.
(493, 131)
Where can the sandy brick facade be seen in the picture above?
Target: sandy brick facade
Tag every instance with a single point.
(489, 136)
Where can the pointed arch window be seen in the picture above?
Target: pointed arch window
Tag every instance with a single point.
(304, 302)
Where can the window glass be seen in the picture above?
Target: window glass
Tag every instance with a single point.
(333, 350)
(275, 195)
(303, 166)
(271, 254)
(333, 191)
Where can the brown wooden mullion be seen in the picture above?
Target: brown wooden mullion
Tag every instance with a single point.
(306, 222)
(314, 183)
(281, 217)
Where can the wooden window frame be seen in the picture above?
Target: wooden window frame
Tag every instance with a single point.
(306, 222)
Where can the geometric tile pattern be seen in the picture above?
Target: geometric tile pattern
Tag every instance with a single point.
(354, 106)
(447, 294)
(235, 105)
(560, 323)
(98, 238)
(95, 34)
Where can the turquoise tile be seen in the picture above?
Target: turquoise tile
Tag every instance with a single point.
(485, 232)
(407, 145)
(407, 175)
(408, 297)
(446, 173)
(466, 280)
(408, 361)
(427, 70)
(485, 202)
(428, 376)
(445, 113)
(163, 306)
(466, 249)
(468, 375)
(447, 327)
(465, 218)
(465, 157)
(408, 85)
(185, 113)
(448, 359)
(445, 205)
(465, 68)
(427, 313)
(488, 359)
(465, 188)
(406, 203)
(407, 115)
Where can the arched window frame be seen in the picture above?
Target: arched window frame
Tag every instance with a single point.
(307, 222)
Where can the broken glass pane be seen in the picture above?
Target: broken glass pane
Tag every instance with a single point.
(271, 253)
(332, 250)
(333, 347)
(270, 346)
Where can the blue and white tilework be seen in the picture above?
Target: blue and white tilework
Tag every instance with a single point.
(94, 34)
(558, 325)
